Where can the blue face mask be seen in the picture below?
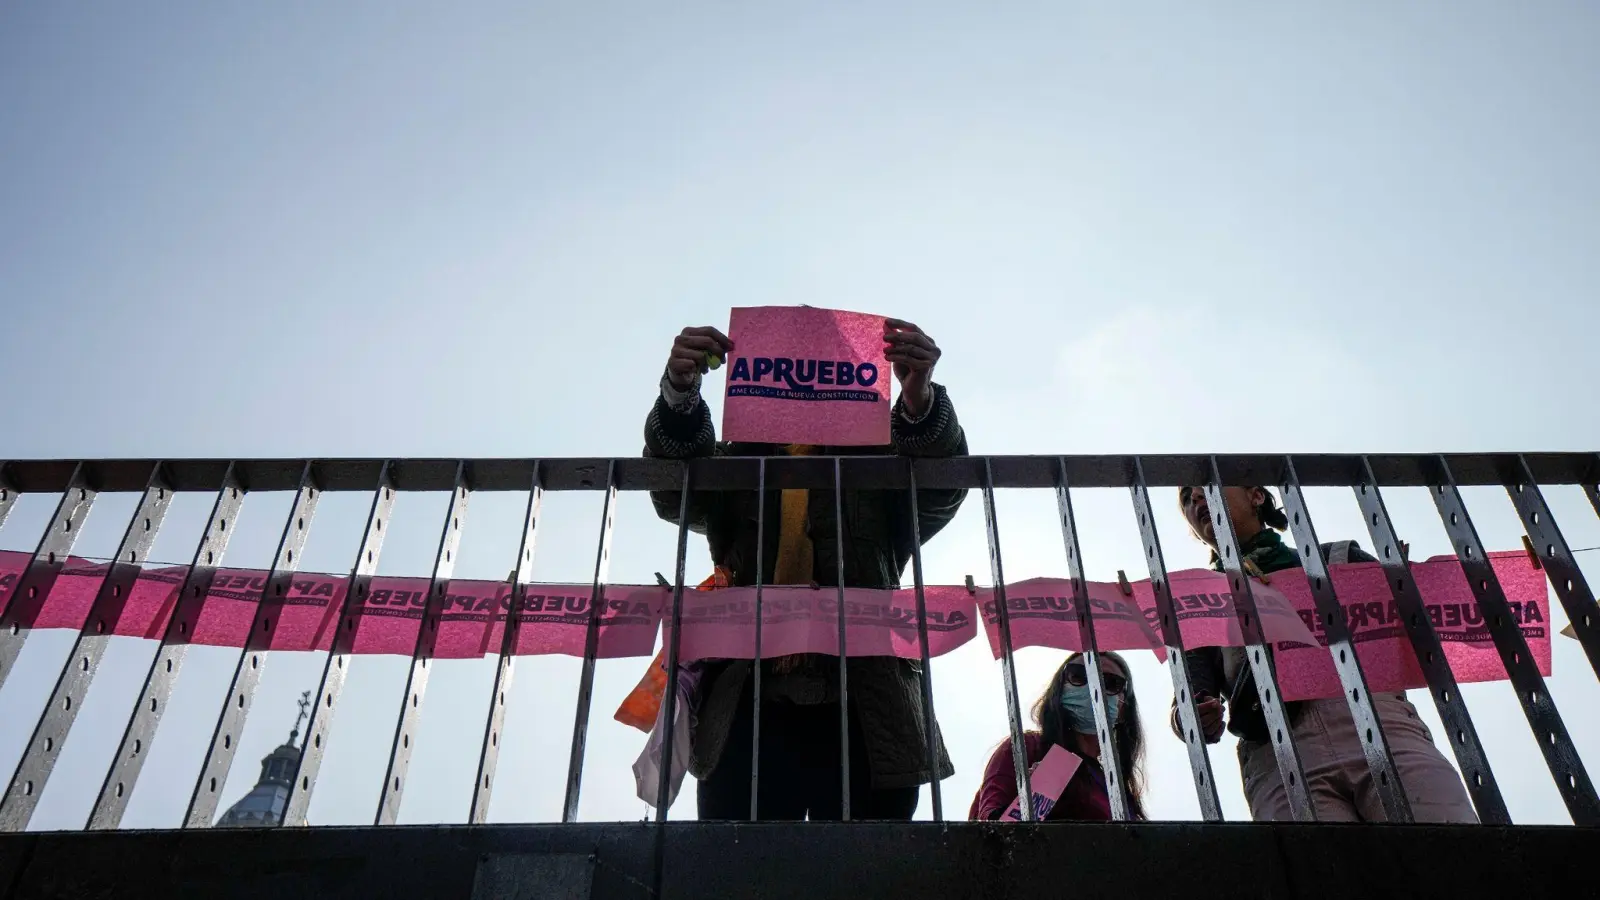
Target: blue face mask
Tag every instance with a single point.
(1079, 709)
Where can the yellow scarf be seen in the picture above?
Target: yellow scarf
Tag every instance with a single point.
(796, 555)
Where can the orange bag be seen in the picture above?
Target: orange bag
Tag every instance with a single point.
(643, 704)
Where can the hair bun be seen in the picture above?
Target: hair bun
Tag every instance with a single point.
(1271, 514)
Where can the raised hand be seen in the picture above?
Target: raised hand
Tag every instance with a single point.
(691, 351)
(913, 355)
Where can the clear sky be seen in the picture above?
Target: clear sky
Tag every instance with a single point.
(386, 229)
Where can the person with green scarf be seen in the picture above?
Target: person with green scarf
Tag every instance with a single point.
(1336, 772)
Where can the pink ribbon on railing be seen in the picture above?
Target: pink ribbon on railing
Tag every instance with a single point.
(554, 619)
(720, 624)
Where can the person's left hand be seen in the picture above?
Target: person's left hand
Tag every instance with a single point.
(913, 355)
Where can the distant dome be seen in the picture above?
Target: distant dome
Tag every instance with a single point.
(264, 805)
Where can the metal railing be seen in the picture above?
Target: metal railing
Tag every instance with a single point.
(80, 483)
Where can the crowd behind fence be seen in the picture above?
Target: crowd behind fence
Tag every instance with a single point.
(80, 482)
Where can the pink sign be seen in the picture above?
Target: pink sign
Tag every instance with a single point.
(720, 624)
(806, 376)
(1047, 779)
(1042, 614)
(1380, 635)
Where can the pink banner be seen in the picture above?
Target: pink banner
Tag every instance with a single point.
(801, 375)
(12, 564)
(553, 620)
(1042, 614)
(148, 607)
(1203, 601)
(70, 598)
(1380, 635)
(305, 621)
(720, 624)
(142, 612)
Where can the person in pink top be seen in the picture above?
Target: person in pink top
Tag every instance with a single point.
(1065, 717)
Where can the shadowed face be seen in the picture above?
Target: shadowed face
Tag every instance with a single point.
(1242, 503)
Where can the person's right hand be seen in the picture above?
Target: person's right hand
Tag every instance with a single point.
(1210, 710)
(689, 352)
(1211, 719)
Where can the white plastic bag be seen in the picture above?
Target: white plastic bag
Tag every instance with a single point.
(647, 768)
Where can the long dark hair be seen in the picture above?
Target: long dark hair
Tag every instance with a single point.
(1129, 732)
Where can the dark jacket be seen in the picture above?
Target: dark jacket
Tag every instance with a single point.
(1210, 667)
(885, 692)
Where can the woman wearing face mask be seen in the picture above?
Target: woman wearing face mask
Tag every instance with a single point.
(1337, 776)
(1066, 718)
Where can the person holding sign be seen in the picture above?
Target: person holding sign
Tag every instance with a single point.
(1337, 776)
(1067, 747)
(800, 715)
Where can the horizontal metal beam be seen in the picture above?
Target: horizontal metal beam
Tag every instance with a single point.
(640, 474)
(733, 861)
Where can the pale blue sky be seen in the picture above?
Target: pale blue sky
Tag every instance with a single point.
(409, 229)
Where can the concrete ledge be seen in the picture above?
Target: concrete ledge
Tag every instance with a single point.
(616, 862)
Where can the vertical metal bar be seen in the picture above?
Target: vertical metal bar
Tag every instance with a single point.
(844, 657)
(1341, 646)
(1110, 763)
(1188, 715)
(444, 563)
(8, 493)
(1559, 563)
(1447, 699)
(1008, 670)
(929, 721)
(28, 598)
(669, 698)
(1591, 489)
(247, 671)
(1259, 654)
(489, 756)
(1504, 625)
(755, 671)
(163, 674)
(72, 685)
(337, 665)
(591, 647)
